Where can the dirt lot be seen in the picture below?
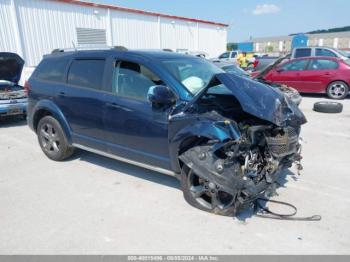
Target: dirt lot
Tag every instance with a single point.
(95, 205)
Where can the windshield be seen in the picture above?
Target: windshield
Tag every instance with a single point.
(343, 53)
(194, 74)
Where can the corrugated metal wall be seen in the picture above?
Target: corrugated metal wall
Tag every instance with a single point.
(44, 25)
(134, 30)
(7, 37)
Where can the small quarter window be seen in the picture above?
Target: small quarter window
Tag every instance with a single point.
(52, 70)
(87, 73)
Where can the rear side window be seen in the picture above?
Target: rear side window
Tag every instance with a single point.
(52, 70)
(295, 66)
(322, 64)
(302, 52)
(324, 52)
(87, 73)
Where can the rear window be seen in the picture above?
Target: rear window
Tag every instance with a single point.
(87, 73)
(302, 52)
(52, 70)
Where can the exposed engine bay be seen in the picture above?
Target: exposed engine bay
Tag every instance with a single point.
(244, 162)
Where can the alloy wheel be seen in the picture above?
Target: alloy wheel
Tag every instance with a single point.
(49, 138)
(337, 90)
(208, 194)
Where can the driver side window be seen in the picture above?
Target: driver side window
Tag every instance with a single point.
(295, 66)
(133, 80)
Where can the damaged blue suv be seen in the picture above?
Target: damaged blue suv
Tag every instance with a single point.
(226, 138)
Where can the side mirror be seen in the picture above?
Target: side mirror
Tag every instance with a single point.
(279, 70)
(161, 95)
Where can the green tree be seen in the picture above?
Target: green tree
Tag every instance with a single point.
(231, 46)
(269, 49)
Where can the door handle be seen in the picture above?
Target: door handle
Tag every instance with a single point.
(327, 73)
(62, 94)
(112, 105)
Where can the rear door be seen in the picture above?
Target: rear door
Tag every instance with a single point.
(290, 74)
(319, 74)
(81, 100)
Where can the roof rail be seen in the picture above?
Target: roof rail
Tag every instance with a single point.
(81, 48)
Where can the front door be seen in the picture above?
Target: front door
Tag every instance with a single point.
(290, 74)
(135, 129)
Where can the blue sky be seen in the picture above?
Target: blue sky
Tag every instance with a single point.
(254, 18)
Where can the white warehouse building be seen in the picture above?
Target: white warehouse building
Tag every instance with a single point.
(33, 28)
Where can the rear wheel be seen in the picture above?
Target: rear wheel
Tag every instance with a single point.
(337, 90)
(206, 195)
(52, 139)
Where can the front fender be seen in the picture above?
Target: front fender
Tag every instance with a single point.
(54, 110)
(219, 131)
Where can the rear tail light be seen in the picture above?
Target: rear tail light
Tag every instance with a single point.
(255, 64)
(26, 87)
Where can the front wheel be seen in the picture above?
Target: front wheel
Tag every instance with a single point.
(52, 139)
(206, 195)
(337, 90)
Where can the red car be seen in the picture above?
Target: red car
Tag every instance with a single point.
(328, 75)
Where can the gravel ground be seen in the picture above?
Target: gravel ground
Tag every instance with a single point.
(94, 205)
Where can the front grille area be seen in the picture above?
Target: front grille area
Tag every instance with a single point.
(283, 144)
(12, 95)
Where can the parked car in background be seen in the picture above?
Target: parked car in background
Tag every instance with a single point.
(290, 92)
(318, 51)
(13, 97)
(330, 75)
(172, 113)
(232, 56)
(262, 62)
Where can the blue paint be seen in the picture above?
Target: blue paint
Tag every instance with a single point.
(300, 40)
(245, 46)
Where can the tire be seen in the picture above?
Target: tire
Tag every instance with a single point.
(328, 107)
(200, 204)
(337, 90)
(52, 139)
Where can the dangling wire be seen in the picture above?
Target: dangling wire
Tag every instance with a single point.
(267, 213)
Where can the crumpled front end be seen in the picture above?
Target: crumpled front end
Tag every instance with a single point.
(225, 172)
(242, 169)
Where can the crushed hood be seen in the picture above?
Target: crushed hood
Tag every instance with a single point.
(261, 100)
(11, 66)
